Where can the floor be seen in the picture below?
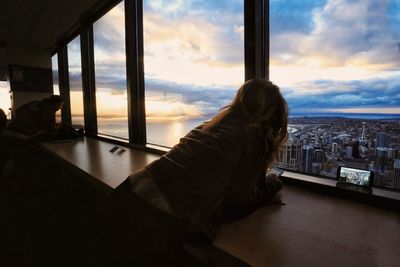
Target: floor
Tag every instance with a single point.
(38, 228)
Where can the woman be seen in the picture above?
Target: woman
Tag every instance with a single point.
(217, 170)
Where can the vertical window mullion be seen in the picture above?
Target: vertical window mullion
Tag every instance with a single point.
(64, 84)
(88, 81)
(135, 71)
(256, 39)
(265, 30)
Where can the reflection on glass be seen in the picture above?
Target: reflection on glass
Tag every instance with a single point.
(75, 81)
(194, 63)
(109, 54)
(56, 89)
(337, 65)
(5, 100)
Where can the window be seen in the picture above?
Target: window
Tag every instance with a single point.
(5, 100)
(75, 81)
(194, 63)
(56, 89)
(54, 64)
(110, 71)
(337, 63)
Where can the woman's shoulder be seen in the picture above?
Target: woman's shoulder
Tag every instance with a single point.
(239, 128)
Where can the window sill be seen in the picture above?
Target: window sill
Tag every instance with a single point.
(154, 149)
(384, 198)
(378, 197)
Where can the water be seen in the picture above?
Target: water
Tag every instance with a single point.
(168, 133)
(164, 133)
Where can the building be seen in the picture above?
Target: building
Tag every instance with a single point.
(334, 148)
(396, 177)
(382, 140)
(290, 154)
(363, 133)
(381, 159)
(308, 153)
(349, 152)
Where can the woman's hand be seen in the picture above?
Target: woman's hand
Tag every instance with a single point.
(273, 185)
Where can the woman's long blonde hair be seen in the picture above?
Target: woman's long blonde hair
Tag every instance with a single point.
(261, 103)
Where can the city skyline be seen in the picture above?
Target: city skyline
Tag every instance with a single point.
(319, 145)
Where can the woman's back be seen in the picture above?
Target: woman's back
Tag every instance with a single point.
(210, 168)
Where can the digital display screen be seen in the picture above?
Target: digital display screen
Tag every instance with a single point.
(354, 176)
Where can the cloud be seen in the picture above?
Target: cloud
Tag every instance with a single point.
(109, 34)
(195, 38)
(341, 32)
(75, 81)
(167, 6)
(207, 99)
(325, 95)
(74, 53)
(337, 54)
(289, 16)
(185, 42)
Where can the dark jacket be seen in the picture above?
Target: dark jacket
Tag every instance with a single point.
(212, 172)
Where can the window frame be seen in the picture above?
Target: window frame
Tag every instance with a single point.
(256, 55)
(256, 62)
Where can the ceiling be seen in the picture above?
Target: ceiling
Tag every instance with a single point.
(40, 23)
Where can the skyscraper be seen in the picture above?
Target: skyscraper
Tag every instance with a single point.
(396, 178)
(318, 156)
(317, 161)
(382, 140)
(307, 158)
(349, 152)
(381, 159)
(363, 133)
(334, 148)
(290, 154)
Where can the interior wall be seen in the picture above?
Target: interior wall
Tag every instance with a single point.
(22, 55)
(25, 56)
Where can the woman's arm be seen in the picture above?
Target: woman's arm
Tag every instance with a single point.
(260, 195)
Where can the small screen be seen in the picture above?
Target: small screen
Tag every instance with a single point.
(354, 176)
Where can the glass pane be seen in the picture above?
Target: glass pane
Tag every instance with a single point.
(337, 63)
(194, 63)
(5, 100)
(75, 81)
(110, 69)
(56, 89)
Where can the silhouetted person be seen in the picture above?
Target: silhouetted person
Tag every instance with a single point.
(33, 122)
(36, 117)
(3, 151)
(217, 170)
(3, 120)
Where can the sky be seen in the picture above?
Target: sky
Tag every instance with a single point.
(5, 101)
(326, 55)
(340, 56)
